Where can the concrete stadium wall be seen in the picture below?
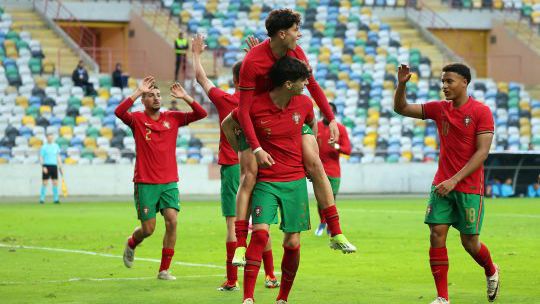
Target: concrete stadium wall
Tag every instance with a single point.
(24, 180)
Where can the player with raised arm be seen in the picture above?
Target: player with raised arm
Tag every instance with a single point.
(278, 117)
(329, 152)
(230, 169)
(282, 27)
(156, 172)
(465, 128)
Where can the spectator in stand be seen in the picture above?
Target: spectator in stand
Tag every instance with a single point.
(174, 106)
(507, 189)
(534, 189)
(80, 79)
(118, 77)
(496, 187)
(181, 46)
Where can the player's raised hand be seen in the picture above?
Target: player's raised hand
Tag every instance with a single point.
(197, 44)
(264, 160)
(177, 91)
(445, 187)
(147, 84)
(251, 42)
(334, 132)
(404, 73)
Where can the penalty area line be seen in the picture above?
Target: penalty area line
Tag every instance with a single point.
(106, 279)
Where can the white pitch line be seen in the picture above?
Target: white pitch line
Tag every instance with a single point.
(106, 279)
(535, 216)
(107, 255)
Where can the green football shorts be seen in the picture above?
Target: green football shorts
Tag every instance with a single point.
(151, 198)
(291, 198)
(230, 180)
(464, 211)
(334, 183)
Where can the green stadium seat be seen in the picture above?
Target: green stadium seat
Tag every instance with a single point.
(92, 132)
(105, 81)
(68, 121)
(53, 81)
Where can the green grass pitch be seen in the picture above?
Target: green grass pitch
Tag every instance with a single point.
(390, 267)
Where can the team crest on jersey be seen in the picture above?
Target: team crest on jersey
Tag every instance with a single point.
(258, 211)
(296, 118)
(166, 124)
(428, 210)
(467, 120)
(145, 210)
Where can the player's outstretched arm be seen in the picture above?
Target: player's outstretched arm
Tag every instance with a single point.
(122, 109)
(177, 91)
(400, 100)
(197, 48)
(230, 128)
(483, 143)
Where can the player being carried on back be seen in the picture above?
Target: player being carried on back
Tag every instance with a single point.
(156, 172)
(465, 129)
(282, 26)
(230, 168)
(278, 117)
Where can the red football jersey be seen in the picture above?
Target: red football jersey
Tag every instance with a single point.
(328, 154)
(254, 75)
(280, 134)
(224, 103)
(458, 128)
(155, 141)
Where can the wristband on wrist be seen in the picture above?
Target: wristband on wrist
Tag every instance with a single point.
(257, 150)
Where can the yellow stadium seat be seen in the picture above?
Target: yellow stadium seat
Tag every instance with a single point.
(373, 121)
(535, 17)
(381, 51)
(524, 121)
(420, 123)
(347, 59)
(48, 66)
(40, 82)
(106, 132)
(45, 109)
(354, 85)
(430, 141)
(21, 101)
(338, 42)
(28, 120)
(81, 120)
(370, 140)
(407, 155)
(401, 3)
(503, 87)
(361, 35)
(238, 33)
(70, 161)
(223, 41)
(225, 87)
(35, 142)
(374, 27)
(90, 142)
(365, 11)
(525, 131)
(524, 105)
(535, 113)
(66, 131)
(324, 58)
(343, 19)
(185, 15)
(497, 4)
(3, 161)
(101, 153)
(192, 161)
(11, 90)
(373, 112)
(132, 83)
(88, 101)
(254, 15)
(390, 68)
(343, 76)
(319, 26)
(104, 93)
(388, 85)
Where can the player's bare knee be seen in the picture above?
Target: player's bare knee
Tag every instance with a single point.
(148, 229)
(170, 224)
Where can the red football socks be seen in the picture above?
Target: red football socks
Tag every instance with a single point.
(232, 271)
(132, 242)
(483, 258)
(289, 266)
(166, 258)
(241, 231)
(254, 254)
(330, 214)
(268, 261)
(438, 260)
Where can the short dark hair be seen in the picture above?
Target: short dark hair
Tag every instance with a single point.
(288, 69)
(281, 19)
(236, 69)
(459, 68)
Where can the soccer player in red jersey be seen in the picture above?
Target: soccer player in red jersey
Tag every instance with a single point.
(230, 169)
(329, 152)
(156, 171)
(278, 117)
(465, 129)
(282, 26)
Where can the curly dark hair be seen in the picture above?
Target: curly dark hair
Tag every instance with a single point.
(281, 19)
(288, 69)
(459, 68)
